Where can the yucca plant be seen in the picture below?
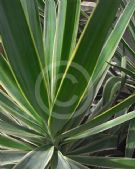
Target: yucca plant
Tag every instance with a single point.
(49, 84)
